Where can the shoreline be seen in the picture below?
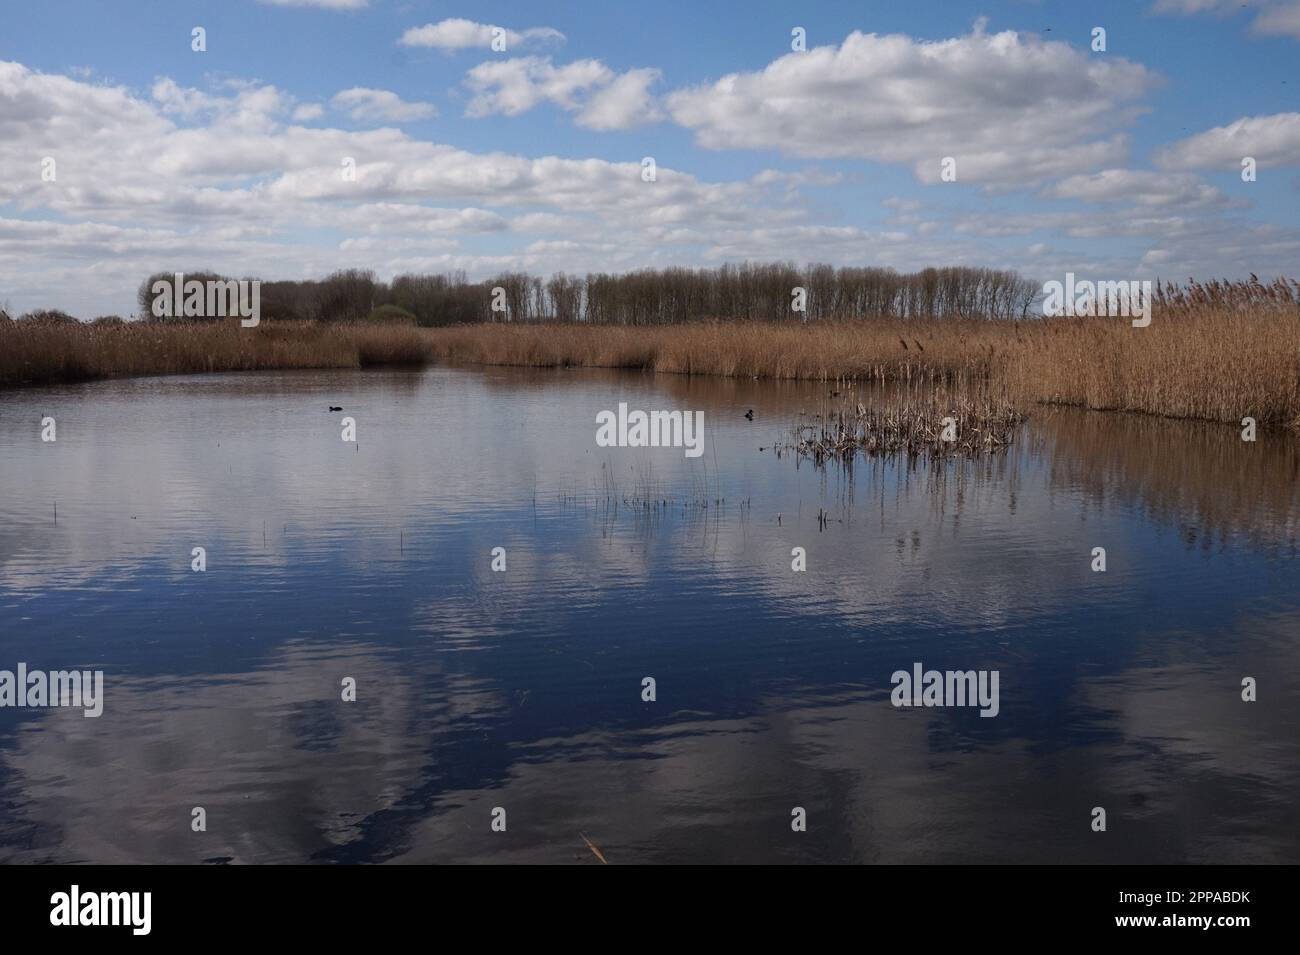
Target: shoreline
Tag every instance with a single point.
(1208, 364)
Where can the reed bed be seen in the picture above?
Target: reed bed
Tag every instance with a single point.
(1213, 352)
(930, 424)
(1220, 352)
(1208, 364)
(41, 353)
(881, 350)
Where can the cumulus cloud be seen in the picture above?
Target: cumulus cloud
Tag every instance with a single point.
(1009, 108)
(1268, 17)
(1270, 140)
(230, 177)
(178, 100)
(1196, 6)
(379, 106)
(515, 86)
(246, 105)
(625, 102)
(384, 218)
(1141, 187)
(601, 98)
(1279, 19)
(456, 33)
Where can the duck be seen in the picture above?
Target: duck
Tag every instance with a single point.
(334, 408)
(750, 414)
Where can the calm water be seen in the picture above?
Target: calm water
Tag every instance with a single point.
(522, 689)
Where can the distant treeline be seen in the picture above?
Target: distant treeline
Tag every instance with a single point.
(650, 297)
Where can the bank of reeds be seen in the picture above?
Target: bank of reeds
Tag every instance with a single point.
(878, 350)
(932, 423)
(35, 352)
(1217, 352)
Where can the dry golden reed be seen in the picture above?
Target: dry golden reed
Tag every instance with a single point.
(1208, 354)
(40, 353)
(1215, 352)
(912, 424)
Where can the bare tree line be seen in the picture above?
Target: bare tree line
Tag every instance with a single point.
(744, 292)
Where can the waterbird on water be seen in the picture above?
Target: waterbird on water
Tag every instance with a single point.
(750, 414)
(333, 408)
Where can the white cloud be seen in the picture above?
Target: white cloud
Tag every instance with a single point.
(544, 222)
(1281, 19)
(250, 106)
(1187, 7)
(383, 218)
(460, 34)
(1140, 187)
(379, 106)
(1009, 108)
(308, 112)
(603, 99)
(175, 99)
(1270, 17)
(623, 103)
(229, 177)
(1271, 140)
(517, 85)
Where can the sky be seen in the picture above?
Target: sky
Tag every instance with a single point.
(314, 135)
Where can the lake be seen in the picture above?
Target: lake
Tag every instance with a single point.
(521, 689)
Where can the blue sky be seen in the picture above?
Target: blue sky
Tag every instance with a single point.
(1122, 163)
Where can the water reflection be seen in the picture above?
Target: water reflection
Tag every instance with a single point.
(522, 689)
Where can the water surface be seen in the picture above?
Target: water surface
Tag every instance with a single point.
(522, 689)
